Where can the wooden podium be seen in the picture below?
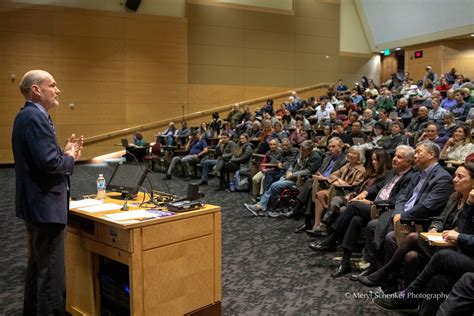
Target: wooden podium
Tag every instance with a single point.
(174, 263)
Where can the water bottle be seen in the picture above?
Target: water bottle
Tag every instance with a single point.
(101, 187)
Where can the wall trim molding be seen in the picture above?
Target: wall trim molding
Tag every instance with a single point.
(243, 7)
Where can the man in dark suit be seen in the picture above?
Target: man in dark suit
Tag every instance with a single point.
(334, 161)
(424, 197)
(348, 225)
(42, 172)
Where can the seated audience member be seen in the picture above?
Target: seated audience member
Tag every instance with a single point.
(224, 150)
(182, 134)
(239, 161)
(459, 301)
(443, 86)
(466, 91)
(278, 131)
(299, 135)
(346, 230)
(234, 115)
(449, 102)
(353, 117)
(323, 141)
(386, 102)
(449, 125)
(451, 76)
(384, 119)
(139, 140)
(341, 87)
(216, 124)
(168, 134)
(282, 112)
(395, 139)
(332, 119)
(367, 120)
(347, 106)
(288, 158)
(246, 114)
(268, 117)
(436, 114)
(426, 95)
(331, 163)
(322, 111)
(267, 108)
(227, 128)
(264, 138)
(417, 124)
(204, 131)
(430, 76)
(376, 170)
(410, 246)
(356, 98)
(410, 90)
(372, 89)
(197, 149)
(376, 139)
(136, 150)
(255, 130)
(431, 133)
(370, 104)
(445, 268)
(272, 157)
(461, 109)
(403, 113)
(307, 163)
(459, 146)
(356, 132)
(425, 196)
(348, 176)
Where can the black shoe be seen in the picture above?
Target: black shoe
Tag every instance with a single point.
(366, 272)
(302, 228)
(341, 271)
(319, 246)
(202, 182)
(167, 177)
(368, 282)
(317, 232)
(396, 303)
(293, 213)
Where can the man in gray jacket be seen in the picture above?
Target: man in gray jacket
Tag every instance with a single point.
(224, 150)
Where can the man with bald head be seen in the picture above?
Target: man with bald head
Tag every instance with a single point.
(42, 171)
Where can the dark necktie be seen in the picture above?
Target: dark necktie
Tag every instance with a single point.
(51, 124)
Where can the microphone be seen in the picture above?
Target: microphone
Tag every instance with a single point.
(125, 205)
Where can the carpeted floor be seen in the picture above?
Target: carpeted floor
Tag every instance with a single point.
(266, 268)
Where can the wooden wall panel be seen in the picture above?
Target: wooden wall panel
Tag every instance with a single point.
(88, 25)
(261, 21)
(315, 27)
(216, 36)
(264, 58)
(217, 55)
(119, 70)
(315, 62)
(209, 15)
(269, 76)
(212, 74)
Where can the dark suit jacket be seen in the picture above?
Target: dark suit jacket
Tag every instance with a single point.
(340, 161)
(448, 218)
(402, 183)
(41, 169)
(433, 196)
(384, 222)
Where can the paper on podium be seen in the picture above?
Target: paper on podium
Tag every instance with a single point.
(130, 215)
(101, 208)
(84, 203)
(436, 238)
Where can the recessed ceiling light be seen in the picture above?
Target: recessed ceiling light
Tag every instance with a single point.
(381, 52)
(398, 48)
(472, 35)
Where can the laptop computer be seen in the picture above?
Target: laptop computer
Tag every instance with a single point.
(125, 142)
(358, 140)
